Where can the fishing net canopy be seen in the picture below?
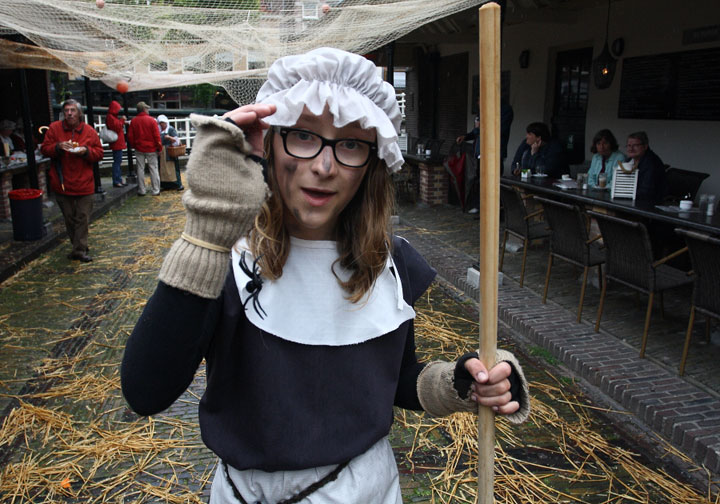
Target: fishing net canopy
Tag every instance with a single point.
(152, 44)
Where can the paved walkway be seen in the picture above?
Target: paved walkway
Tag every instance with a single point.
(685, 411)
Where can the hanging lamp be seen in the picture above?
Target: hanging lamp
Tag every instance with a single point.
(604, 65)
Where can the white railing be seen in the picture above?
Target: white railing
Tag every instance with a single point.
(402, 103)
(186, 132)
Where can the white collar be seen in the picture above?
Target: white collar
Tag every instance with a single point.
(307, 304)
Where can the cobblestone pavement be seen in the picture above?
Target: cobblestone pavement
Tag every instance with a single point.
(67, 435)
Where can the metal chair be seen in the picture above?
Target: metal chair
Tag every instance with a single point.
(518, 222)
(629, 261)
(569, 241)
(704, 253)
(683, 182)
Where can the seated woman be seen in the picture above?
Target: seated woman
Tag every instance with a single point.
(541, 154)
(605, 157)
(8, 136)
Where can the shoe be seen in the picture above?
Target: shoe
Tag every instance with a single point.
(118, 185)
(100, 190)
(181, 188)
(141, 194)
(473, 211)
(156, 193)
(82, 257)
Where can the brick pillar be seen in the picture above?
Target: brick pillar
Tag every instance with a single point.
(5, 188)
(433, 184)
(43, 182)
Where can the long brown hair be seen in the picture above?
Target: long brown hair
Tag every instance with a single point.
(362, 232)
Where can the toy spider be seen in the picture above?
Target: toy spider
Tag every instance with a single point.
(254, 284)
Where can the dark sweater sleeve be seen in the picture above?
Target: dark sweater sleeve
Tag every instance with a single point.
(416, 275)
(166, 347)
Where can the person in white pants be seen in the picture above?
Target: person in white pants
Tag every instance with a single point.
(144, 137)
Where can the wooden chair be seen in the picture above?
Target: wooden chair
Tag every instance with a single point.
(518, 222)
(629, 261)
(570, 242)
(683, 182)
(704, 253)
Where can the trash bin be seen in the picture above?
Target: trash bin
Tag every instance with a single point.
(26, 212)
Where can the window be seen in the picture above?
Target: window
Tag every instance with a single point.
(158, 66)
(310, 10)
(192, 64)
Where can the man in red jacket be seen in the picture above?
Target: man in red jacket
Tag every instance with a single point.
(74, 146)
(116, 123)
(144, 137)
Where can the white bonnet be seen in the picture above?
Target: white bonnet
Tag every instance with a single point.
(163, 118)
(349, 84)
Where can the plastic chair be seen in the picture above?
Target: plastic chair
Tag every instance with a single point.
(683, 182)
(629, 261)
(518, 223)
(570, 242)
(704, 253)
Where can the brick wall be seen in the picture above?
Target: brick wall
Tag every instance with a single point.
(5, 188)
(433, 184)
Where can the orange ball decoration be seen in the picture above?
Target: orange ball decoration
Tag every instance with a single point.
(122, 87)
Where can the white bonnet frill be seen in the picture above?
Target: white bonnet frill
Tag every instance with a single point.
(349, 84)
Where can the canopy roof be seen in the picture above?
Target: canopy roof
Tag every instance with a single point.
(165, 43)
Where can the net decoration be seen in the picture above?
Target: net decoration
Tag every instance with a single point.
(154, 44)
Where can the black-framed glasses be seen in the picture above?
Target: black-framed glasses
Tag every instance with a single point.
(303, 144)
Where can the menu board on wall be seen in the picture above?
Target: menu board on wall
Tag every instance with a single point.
(683, 85)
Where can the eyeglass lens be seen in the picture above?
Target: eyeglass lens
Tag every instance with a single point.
(306, 145)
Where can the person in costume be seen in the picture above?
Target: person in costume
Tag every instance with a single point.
(169, 138)
(306, 318)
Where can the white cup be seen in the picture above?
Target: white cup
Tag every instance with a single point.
(566, 177)
(686, 204)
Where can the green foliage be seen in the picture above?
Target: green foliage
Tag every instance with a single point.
(545, 354)
(60, 82)
(203, 94)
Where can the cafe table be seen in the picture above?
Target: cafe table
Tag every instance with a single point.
(600, 200)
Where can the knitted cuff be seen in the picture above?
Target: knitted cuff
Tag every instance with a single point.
(524, 411)
(436, 391)
(439, 397)
(195, 269)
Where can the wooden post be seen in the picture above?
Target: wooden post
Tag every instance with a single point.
(489, 35)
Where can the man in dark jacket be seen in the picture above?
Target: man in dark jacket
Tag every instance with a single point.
(116, 123)
(144, 137)
(540, 153)
(74, 147)
(651, 184)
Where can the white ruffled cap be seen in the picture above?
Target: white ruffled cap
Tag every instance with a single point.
(348, 83)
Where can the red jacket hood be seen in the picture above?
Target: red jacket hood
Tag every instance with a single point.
(114, 108)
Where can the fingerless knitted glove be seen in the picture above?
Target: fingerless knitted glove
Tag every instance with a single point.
(439, 394)
(226, 189)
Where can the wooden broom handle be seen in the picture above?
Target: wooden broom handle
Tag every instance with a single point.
(489, 43)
